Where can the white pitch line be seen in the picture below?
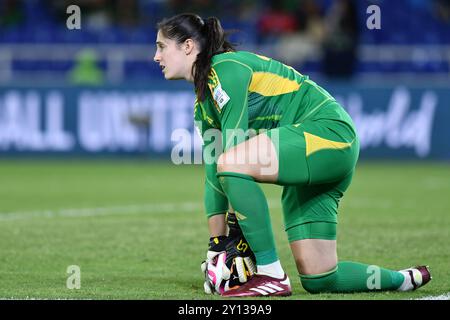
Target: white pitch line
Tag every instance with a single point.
(100, 211)
(445, 296)
(113, 210)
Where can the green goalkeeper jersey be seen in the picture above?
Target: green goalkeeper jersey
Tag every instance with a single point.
(249, 91)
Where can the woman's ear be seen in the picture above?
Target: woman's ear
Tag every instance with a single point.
(189, 45)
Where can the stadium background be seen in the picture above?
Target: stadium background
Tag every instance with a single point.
(88, 127)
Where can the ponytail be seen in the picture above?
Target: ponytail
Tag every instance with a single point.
(208, 33)
(215, 43)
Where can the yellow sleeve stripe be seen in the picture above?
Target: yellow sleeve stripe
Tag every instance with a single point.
(213, 77)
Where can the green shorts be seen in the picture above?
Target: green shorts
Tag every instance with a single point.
(317, 158)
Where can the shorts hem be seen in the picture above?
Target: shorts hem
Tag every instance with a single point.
(307, 233)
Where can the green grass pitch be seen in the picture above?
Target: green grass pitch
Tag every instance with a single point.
(137, 229)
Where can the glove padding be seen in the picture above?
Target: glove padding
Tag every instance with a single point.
(217, 245)
(212, 268)
(215, 270)
(220, 278)
(229, 261)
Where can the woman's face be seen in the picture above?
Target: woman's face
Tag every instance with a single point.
(172, 58)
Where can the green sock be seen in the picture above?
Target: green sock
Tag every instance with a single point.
(252, 213)
(353, 277)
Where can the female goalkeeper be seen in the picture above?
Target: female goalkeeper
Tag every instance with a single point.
(302, 140)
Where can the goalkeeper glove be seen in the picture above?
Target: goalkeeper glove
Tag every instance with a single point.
(211, 266)
(230, 261)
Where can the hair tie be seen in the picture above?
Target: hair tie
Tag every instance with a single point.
(202, 22)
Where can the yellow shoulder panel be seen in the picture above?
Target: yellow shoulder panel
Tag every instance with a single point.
(270, 84)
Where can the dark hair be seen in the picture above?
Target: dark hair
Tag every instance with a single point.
(208, 33)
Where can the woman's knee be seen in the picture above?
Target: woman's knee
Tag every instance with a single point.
(314, 256)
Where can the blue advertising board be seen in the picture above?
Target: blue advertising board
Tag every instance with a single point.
(404, 122)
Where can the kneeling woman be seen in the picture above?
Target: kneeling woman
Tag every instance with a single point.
(306, 142)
